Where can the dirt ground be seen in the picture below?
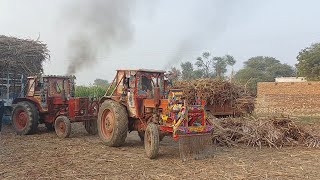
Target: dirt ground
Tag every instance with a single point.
(82, 156)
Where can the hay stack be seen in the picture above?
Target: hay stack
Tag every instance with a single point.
(22, 56)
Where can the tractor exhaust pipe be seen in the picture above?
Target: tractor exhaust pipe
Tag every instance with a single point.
(63, 92)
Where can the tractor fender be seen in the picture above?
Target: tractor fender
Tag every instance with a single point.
(103, 98)
(28, 99)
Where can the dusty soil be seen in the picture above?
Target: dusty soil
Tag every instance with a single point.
(82, 156)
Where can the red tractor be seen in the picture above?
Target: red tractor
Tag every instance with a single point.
(141, 101)
(50, 100)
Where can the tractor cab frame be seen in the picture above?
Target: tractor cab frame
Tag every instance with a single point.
(139, 90)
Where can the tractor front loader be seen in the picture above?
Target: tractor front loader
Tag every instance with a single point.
(141, 101)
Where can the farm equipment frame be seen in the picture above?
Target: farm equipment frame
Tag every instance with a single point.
(141, 101)
(50, 100)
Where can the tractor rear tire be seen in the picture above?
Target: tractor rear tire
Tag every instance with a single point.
(25, 118)
(62, 126)
(91, 127)
(49, 126)
(151, 141)
(112, 123)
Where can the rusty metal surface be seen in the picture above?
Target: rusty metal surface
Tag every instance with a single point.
(54, 97)
(143, 70)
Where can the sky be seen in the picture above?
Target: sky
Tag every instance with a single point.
(164, 33)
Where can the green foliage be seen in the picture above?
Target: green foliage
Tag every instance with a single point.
(207, 67)
(309, 62)
(261, 62)
(249, 77)
(204, 63)
(220, 65)
(262, 69)
(197, 74)
(97, 90)
(90, 91)
(101, 82)
(187, 70)
(230, 60)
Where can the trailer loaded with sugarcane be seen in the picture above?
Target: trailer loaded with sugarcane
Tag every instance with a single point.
(19, 58)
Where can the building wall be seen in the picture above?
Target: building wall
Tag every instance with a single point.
(288, 98)
(290, 79)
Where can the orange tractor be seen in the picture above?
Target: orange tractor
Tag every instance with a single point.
(141, 101)
(50, 100)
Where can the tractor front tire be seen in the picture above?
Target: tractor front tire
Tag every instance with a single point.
(62, 126)
(112, 123)
(141, 135)
(91, 127)
(25, 118)
(151, 141)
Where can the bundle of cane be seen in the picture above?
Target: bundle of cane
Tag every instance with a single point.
(22, 56)
(217, 92)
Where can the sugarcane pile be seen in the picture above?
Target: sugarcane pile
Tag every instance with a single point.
(217, 92)
(22, 56)
(258, 132)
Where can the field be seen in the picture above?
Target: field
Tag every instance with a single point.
(82, 156)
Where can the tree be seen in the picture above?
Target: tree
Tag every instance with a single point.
(220, 65)
(101, 82)
(214, 66)
(309, 62)
(262, 69)
(204, 63)
(280, 70)
(249, 77)
(174, 74)
(197, 74)
(187, 70)
(230, 60)
(261, 62)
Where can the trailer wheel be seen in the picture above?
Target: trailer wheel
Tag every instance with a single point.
(112, 123)
(62, 126)
(91, 127)
(49, 126)
(151, 140)
(25, 118)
